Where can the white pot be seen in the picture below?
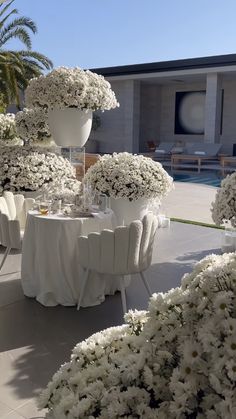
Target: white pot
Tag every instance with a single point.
(70, 127)
(127, 211)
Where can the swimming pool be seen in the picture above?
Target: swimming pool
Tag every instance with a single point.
(212, 179)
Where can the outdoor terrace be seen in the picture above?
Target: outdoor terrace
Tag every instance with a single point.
(36, 340)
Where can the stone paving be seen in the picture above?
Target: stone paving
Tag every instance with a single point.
(35, 340)
(190, 201)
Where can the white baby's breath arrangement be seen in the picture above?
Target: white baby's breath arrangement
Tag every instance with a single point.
(125, 175)
(175, 361)
(8, 133)
(28, 169)
(32, 126)
(224, 206)
(64, 189)
(70, 87)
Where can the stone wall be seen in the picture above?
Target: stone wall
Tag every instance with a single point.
(119, 130)
(150, 114)
(147, 113)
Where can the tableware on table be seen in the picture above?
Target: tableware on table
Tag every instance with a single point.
(67, 209)
(103, 203)
(44, 208)
(88, 196)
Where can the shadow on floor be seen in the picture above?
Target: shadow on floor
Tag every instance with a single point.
(36, 340)
(40, 339)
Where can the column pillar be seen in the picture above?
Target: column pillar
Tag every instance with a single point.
(132, 116)
(213, 108)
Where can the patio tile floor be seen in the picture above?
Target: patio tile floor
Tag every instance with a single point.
(35, 340)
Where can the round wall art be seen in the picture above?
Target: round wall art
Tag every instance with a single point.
(190, 112)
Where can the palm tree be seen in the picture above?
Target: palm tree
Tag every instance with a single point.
(17, 67)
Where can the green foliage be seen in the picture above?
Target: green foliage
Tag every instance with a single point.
(18, 67)
(197, 223)
(3, 103)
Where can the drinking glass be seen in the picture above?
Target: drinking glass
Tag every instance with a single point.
(88, 196)
(44, 208)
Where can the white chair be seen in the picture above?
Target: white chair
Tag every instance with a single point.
(13, 214)
(124, 251)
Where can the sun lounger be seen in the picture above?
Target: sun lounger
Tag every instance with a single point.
(163, 151)
(203, 149)
(196, 153)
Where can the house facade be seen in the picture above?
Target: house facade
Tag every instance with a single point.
(190, 100)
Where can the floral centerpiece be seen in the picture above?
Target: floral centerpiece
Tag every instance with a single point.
(8, 133)
(64, 189)
(70, 88)
(32, 127)
(224, 206)
(28, 169)
(125, 175)
(177, 360)
(69, 95)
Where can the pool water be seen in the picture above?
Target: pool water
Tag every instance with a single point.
(207, 179)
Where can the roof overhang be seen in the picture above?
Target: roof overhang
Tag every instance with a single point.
(224, 64)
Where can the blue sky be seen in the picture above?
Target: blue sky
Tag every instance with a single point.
(102, 33)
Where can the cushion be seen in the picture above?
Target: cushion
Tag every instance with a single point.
(160, 151)
(200, 153)
(177, 150)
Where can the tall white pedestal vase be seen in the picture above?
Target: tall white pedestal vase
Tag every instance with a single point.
(127, 211)
(70, 127)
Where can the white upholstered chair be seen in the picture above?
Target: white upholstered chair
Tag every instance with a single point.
(124, 251)
(13, 214)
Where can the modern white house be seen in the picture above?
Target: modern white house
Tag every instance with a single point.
(192, 100)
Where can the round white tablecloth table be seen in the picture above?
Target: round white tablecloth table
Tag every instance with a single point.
(50, 271)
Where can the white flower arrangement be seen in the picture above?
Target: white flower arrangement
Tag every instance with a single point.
(28, 169)
(224, 206)
(125, 175)
(8, 134)
(64, 189)
(70, 87)
(175, 361)
(32, 126)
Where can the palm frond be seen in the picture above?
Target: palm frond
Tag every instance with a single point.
(14, 11)
(19, 33)
(9, 57)
(18, 67)
(28, 63)
(21, 21)
(45, 61)
(5, 8)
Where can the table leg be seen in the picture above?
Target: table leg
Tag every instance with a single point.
(172, 163)
(199, 165)
(222, 163)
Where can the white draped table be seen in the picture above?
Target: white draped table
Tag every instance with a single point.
(50, 271)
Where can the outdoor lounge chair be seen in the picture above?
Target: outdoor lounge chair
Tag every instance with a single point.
(195, 153)
(164, 150)
(203, 149)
